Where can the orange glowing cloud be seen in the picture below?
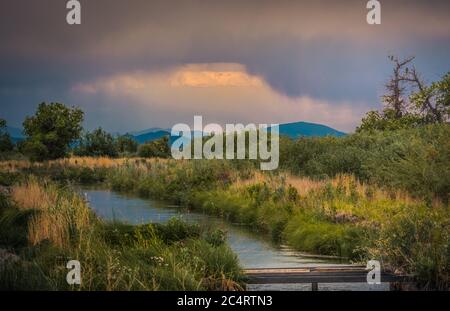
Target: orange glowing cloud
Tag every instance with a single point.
(214, 75)
(224, 93)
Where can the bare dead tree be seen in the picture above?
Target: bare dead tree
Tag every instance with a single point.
(394, 98)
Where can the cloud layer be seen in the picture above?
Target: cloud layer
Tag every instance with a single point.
(303, 55)
(222, 93)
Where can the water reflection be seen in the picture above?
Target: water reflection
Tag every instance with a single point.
(253, 250)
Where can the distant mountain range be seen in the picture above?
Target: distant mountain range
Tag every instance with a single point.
(150, 135)
(292, 130)
(305, 129)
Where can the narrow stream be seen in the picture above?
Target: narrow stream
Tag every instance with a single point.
(253, 251)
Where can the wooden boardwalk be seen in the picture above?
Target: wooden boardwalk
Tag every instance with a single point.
(316, 275)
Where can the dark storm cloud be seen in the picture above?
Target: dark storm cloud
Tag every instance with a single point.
(322, 49)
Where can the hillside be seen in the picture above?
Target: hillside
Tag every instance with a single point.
(299, 129)
(292, 130)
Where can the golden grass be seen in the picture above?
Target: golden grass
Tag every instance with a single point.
(56, 214)
(31, 196)
(14, 165)
(90, 162)
(371, 203)
(350, 183)
(304, 185)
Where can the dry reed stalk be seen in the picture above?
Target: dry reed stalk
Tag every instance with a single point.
(56, 214)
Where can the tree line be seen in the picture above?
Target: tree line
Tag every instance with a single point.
(55, 131)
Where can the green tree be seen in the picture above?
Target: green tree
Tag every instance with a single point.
(432, 101)
(126, 144)
(425, 104)
(51, 131)
(155, 149)
(5, 140)
(97, 143)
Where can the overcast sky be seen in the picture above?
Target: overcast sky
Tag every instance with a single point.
(137, 64)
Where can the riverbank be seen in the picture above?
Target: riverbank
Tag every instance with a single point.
(43, 226)
(253, 249)
(338, 216)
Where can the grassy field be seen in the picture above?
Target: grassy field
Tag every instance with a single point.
(333, 216)
(44, 225)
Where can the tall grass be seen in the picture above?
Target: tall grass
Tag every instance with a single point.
(416, 160)
(60, 227)
(339, 216)
(58, 214)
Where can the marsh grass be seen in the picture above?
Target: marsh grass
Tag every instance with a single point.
(338, 216)
(47, 225)
(58, 214)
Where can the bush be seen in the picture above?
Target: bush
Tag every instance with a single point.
(96, 144)
(324, 238)
(126, 144)
(155, 149)
(416, 160)
(5, 140)
(35, 150)
(417, 241)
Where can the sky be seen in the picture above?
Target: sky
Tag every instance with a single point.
(138, 64)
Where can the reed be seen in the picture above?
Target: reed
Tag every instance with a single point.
(57, 213)
(332, 216)
(113, 256)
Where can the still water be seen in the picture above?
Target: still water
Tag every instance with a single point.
(253, 250)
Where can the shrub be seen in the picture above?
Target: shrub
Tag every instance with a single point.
(5, 140)
(416, 160)
(155, 149)
(96, 144)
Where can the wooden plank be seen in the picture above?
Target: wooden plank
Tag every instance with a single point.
(337, 274)
(280, 279)
(311, 268)
(276, 270)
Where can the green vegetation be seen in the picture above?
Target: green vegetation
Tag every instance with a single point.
(337, 216)
(114, 256)
(409, 102)
(158, 148)
(381, 193)
(416, 160)
(51, 130)
(5, 140)
(97, 143)
(126, 145)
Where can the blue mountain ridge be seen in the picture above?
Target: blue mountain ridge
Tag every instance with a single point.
(306, 129)
(293, 130)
